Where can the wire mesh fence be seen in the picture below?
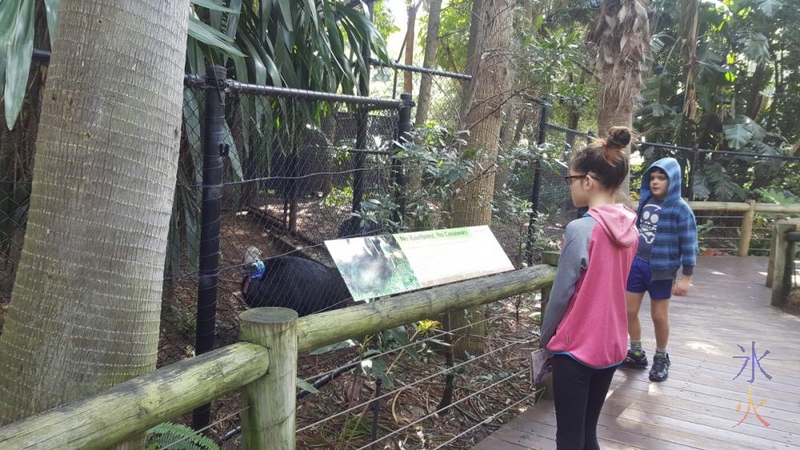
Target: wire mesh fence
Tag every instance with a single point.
(17, 148)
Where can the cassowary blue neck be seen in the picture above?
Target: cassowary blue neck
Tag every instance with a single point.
(257, 269)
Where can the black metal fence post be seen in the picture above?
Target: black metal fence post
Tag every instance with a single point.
(537, 185)
(213, 134)
(362, 121)
(360, 157)
(404, 127)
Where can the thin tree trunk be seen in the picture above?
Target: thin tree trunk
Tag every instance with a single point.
(506, 147)
(690, 20)
(408, 77)
(85, 309)
(490, 91)
(431, 45)
(474, 48)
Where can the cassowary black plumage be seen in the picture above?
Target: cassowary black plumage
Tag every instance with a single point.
(303, 285)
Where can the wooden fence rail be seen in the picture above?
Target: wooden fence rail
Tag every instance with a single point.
(103, 419)
(264, 367)
(749, 210)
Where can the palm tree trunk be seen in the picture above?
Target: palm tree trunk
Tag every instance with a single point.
(622, 37)
(483, 114)
(85, 309)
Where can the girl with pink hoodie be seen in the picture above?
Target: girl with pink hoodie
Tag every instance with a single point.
(585, 327)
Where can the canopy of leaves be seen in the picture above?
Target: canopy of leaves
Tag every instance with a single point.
(741, 85)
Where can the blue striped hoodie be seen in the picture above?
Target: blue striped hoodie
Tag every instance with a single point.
(675, 244)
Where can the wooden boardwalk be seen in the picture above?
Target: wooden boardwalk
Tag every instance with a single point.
(728, 307)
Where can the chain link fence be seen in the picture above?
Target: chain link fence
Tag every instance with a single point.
(17, 147)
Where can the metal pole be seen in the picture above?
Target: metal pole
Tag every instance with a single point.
(213, 151)
(404, 127)
(537, 185)
(363, 124)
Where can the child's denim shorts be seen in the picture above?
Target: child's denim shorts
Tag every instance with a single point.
(639, 282)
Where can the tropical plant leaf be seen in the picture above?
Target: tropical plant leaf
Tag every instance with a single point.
(207, 35)
(737, 135)
(51, 9)
(232, 20)
(306, 386)
(18, 59)
(262, 64)
(8, 15)
(723, 185)
(769, 7)
(700, 187)
(756, 46)
(233, 154)
(210, 4)
(177, 437)
(337, 346)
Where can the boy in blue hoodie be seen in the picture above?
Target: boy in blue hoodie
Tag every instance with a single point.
(667, 242)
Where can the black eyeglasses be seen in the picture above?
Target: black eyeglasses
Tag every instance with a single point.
(570, 178)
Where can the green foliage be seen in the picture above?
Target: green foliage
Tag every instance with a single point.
(177, 437)
(779, 197)
(383, 20)
(703, 230)
(433, 152)
(454, 35)
(743, 80)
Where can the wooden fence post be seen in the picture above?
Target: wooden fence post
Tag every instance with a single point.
(269, 421)
(550, 258)
(747, 229)
(783, 261)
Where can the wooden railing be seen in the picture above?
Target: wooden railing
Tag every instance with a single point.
(264, 367)
(748, 210)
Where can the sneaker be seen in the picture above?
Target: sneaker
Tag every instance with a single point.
(636, 358)
(660, 369)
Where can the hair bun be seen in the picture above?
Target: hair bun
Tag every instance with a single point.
(618, 137)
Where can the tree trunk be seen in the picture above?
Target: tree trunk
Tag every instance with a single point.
(690, 18)
(483, 117)
(474, 48)
(622, 37)
(85, 309)
(408, 77)
(431, 44)
(505, 148)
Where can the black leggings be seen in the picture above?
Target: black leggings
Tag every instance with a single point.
(579, 393)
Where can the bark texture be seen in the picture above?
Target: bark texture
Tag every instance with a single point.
(84, 313)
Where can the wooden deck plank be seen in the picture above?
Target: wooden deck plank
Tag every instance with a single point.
(655, 437)
(610, 436)
(778, 419)
(728, 307)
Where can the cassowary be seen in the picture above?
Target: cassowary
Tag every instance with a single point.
(303, 285)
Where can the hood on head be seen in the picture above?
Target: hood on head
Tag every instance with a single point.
(672, 168)
(619, 223)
